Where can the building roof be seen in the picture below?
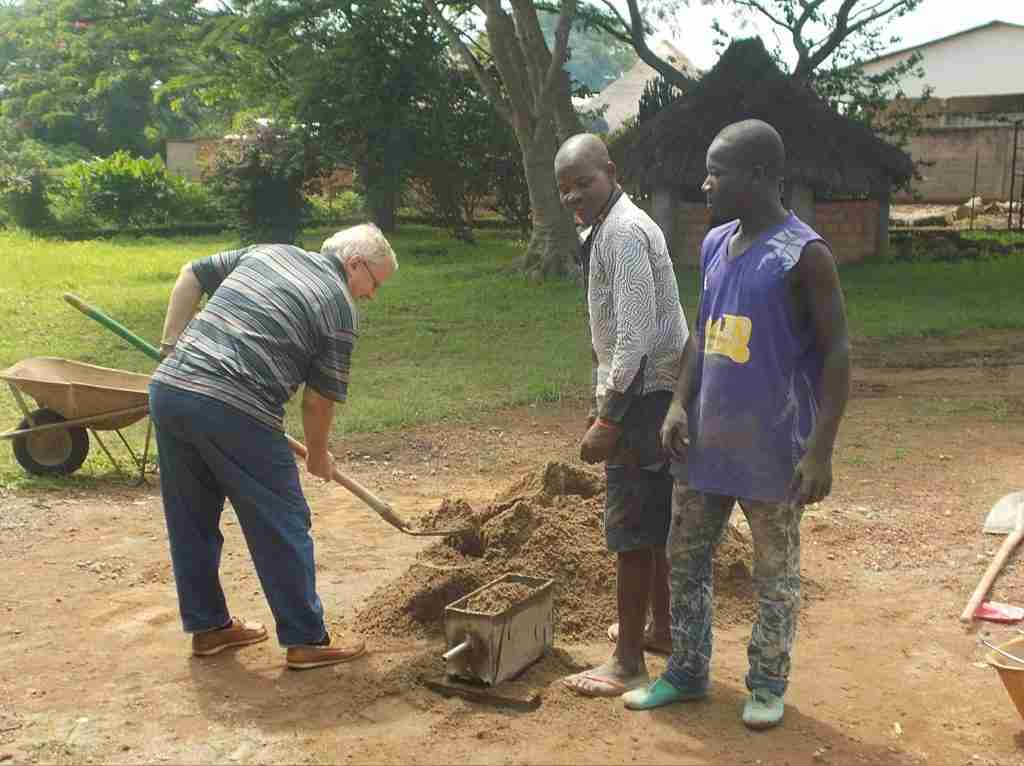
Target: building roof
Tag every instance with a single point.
(824, 149)
(622, 97)
(944, 38)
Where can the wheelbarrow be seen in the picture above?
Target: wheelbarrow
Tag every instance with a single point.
(74, 399)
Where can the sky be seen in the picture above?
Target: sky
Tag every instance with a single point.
(933, 19)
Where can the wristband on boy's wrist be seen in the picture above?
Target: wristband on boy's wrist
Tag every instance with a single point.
(607, 424)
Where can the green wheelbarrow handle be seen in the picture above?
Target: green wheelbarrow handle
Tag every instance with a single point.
(114, 326)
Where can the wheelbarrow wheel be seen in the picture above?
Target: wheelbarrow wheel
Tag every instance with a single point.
(56, 451)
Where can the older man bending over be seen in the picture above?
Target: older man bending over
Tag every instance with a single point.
(277, 316)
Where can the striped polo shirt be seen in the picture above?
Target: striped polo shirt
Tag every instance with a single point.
(277, 316)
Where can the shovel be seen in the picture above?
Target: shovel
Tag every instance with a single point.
(1005, 518)
(382, 507)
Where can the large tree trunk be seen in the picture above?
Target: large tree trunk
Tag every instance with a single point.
(553, 242)
(384, 215)
(533, 96)
(382, 183)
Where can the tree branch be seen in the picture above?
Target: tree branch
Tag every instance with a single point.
(756, 6)
(537, 57)
(588, 17)
(490, 87)
(509, 58)
(862, 22)
(801, 45)
(560, 53)
(842, 29)
(639, 41)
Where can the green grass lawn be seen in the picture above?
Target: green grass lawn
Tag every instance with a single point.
(456, 333)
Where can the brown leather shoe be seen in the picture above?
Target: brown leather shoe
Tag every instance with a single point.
(305, 657)
(238, 633)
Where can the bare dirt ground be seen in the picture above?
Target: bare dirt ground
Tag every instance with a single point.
(96, 670)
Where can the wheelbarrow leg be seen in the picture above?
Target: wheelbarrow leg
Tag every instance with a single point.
(22, 406)
(140, 464)
(99, 441)
(145, 452)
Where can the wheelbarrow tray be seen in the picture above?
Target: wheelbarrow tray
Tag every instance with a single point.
(77, 390)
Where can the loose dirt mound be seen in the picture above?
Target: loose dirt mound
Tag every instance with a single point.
(549, 523)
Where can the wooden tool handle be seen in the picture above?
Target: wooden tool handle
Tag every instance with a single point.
(1012, 541)
(382, 507)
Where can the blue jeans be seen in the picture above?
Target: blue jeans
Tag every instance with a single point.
(698, 522)
(210, 451)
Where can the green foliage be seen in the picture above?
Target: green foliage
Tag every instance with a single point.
(26, 169)
(84, 71)
(121, 190)
(356, 74)
(511, 192)
(259, 178)
(390, 58)
(27, 204)
(657, 94)
(330, 208)
(461, 144)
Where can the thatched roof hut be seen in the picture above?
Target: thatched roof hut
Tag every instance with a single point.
(830, 153)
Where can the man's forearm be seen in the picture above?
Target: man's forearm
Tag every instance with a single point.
(317, 416)
(182, 305)
(835, 391)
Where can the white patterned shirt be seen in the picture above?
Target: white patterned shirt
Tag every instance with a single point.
(633, 300)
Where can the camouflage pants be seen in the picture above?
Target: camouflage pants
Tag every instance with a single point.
(698, 522)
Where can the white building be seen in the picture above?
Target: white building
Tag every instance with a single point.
(982, 61)
(977, 94)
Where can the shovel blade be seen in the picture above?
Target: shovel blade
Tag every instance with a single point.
(1002, 519)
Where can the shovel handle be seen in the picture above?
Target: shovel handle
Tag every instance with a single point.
(382, 507)
(1012, 541)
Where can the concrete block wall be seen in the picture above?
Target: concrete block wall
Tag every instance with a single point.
(692, 221)
(950, 152)
(851, 228)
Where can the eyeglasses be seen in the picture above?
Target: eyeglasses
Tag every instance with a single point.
(376, 283)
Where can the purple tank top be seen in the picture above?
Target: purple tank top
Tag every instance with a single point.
(759, 376)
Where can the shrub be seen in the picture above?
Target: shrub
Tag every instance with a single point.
(26, 201)
(337, 207)
(122, 190)
(260, 179)
(26, 168)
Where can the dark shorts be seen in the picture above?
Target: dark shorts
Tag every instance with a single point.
(638, 508)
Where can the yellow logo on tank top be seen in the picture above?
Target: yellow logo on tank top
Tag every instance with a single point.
(729, 335)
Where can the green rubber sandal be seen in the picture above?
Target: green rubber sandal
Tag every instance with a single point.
(658, 694)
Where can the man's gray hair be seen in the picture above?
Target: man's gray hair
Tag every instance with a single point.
(365, 240)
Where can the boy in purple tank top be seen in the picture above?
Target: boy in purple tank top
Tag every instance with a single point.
(763, 384)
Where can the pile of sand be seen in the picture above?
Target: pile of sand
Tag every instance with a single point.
(549, 523)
